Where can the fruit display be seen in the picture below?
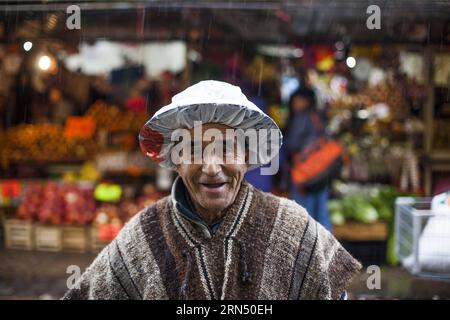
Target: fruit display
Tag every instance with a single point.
(112, 118)
(372, 124)
(107, 221)
(51, 206)
(105, 116)
(79, 204)
(389, 94)
(44, 143)
(88, 172)
(110, 218)
(54, 203)
(29, 208)
(51, 143)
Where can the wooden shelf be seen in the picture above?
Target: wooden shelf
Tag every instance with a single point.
(438, 156)
(357, 231)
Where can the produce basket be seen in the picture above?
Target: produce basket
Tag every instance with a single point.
(18, 234)
(422, 238)
(48, 238)
(75, 239)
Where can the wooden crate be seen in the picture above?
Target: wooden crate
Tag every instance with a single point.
(18, 234)
(48, 238)
(75, 239)
(97, 244)
(357, 231)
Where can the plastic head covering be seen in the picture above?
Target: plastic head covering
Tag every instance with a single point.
(210, 102)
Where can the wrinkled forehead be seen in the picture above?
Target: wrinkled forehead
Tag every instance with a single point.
(215, 133)
(210, 126)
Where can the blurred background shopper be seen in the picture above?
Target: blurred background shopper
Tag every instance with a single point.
(304, 129)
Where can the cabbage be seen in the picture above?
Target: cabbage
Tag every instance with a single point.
(383, 207)
(366, 213)
(337, 218)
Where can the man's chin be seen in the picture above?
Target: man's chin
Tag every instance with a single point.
(215, 206)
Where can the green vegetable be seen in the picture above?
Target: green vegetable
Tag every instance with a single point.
(355, 206)
(391, 255)
(348, 207)
(337, 218)
(366, 213)
(383, 207)
(335, 211)
(334, 206)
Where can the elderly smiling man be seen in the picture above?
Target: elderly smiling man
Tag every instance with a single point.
(215, 236)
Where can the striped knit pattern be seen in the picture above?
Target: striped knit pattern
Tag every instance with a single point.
(266, 248)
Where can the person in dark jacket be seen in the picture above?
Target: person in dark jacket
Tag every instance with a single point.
(303, 130)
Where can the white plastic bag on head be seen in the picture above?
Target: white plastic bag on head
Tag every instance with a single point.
(211, 102)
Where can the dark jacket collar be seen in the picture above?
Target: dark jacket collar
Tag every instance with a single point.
(180, 198)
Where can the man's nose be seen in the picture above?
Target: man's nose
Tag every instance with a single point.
(211, 165)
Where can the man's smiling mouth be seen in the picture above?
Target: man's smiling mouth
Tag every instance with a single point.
(213, 186)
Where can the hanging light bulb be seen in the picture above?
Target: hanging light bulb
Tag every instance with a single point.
(351, 62)
(27, 45)
(44, 63)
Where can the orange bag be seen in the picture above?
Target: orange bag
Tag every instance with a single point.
(314, 166)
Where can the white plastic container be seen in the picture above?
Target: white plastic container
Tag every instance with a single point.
(422, 238)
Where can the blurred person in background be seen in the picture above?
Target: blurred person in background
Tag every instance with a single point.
(303, 130)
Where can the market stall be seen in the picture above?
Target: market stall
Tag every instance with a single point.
(72, 104)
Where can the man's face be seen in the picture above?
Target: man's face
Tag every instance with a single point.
(214, 184)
